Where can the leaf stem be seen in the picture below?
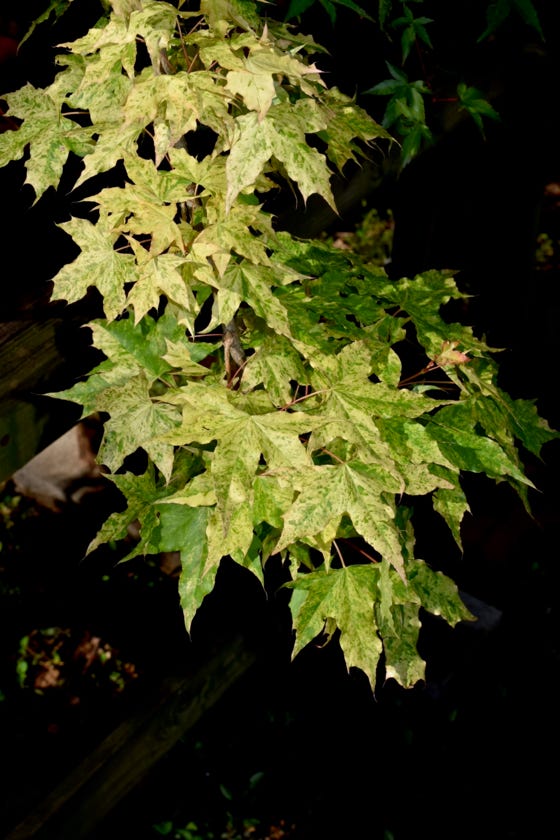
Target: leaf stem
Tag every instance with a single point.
(332, 455)
(305, 397)
(338, 551)
(360, 550)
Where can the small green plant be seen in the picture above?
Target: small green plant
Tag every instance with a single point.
(57, 658)
(371, 240)
(190, 832)
(408, 41)
(261, 378)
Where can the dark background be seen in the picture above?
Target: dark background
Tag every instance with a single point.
(471, 753)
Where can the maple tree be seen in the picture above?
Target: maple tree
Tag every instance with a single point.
(262, 375)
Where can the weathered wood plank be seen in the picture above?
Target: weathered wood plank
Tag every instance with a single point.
(82, 800)
(32, 360)
(27, 354)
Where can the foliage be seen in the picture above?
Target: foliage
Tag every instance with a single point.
(372, 239)
(262, 377)
(55, 659)
(407, 31)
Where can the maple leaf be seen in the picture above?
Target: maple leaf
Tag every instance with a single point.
(451, 427)
(47, 133)
(362, 491)
(114, 32)
(273, 494)
(115, 142)
(135, 421)
(437, 593)
(213, 413)
(502, 417)
(277, 365)
(253, 85)
(251, 284)
(281, 134)
(402, 660)
(132, 350)
(345, 124)
(98, 264)
(162, 99)
(103, 88)
(397, 615)
(144, 494)
(154, 23)
(354, 408)
(451, 504)
(140, 492)
(422, 299)
(417, 455)
(158, 275)
(237, 233)
(345, 597)
(148, 206)
(183, 529)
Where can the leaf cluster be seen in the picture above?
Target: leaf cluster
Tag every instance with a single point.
(406, 25)
(262, 376)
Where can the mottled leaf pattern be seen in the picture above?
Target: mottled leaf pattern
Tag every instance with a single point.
(262, 376)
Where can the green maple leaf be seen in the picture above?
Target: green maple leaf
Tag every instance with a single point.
(477, 106)
(182, 528)
(422, 299)
(361, 491)
(144, 494)
(233, 538)
(56, 8)
(452, 429)
(503, 418)
(452, 505)
(402, 660)
(273, 495)
(500, 10)
(98, 264)
(417, 455)
(132, 350)
(330, 307)
(345, 597)
(397, 616)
